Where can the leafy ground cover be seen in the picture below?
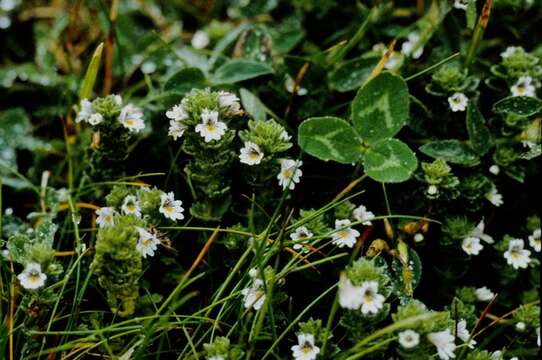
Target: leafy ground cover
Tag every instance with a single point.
(246, 179)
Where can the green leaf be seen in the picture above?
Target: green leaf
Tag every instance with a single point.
(329, 138)
(390, 160)
(380, 108)
(252, 104)
(471, 14)
(352, 74)
(518, 105)
(453, 151)
(240, 70)
(479, 135)
(185, 80)
(92, 72)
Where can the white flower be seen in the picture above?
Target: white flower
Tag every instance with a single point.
(8, 5)
(95, 119)
(494, 197)
(464, 334)
(177, 127)
(85, 111)
(105, 217)
(131, 117)
(458, 102)
(63, 195)
(290, 173)
(494, 169)
(344, 235)
(229, 101)
(362, 214)
(251, 154)
(372, 301)
(409, 339)
(32, 277)
(461, 4)
(305, 349)
(170, 207)
(516, 255)
(216, 357)
(285, 136)
(117, 99)
(497, 355)
(408, 47)
(523, 87)
(419, 237)
(528, 144)
(478, 232)
(484, 294)
(177, 113)
(510, 51)
(289, 84)
(471, 245)
(534, 240)
(147, 243)
(253, 272)
(5, 22)
(300, 235)
(210, 127)
(200, 40)
(432, 190)
(350, 296)
(254, 296)
(521, 326)
(131, 206)
(444, 342)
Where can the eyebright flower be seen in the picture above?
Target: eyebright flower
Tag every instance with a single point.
(210, 127)
(464, 334)
(408, 46)
(131, 206)
(177, 127)
(85, 111)
(170, 207)
(494, 169)
(478, 232)
(95, 119)
(523, 87)
(409, 339)
(350, 296)
(494, 197)
(344, 235)
(200, 40)
(362, 214)
(372, 301)
(290, 173)
(458, 102)
(444, 342)
(105, 217)
(131, 117)
(251, 154)
(510, 51)
(516, 255)
(147, 243)
(289, 84)
(534, 240)
(285, 136)
(229, 101)
(305, 349)
(471, 245)
(300, 235)
(432, 190)
(521, 326)
(32, 278)
(254, 296)
(461, 4)
(484, 294)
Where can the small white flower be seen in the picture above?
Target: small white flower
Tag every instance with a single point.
(131, 117)
(300, 235)
(432, 190)
(171, 208)
(148, 67)
(63, 195)
(285, 136)
(372, 301)
(478, 232)
(458, 102)
(216, 357)
(494, 169)
(484, 294)
(290, 173)
(409, 339)
(523, 87)
(494, 197)
(254, 296)
(200, 40)
(464, 334)
(461, 4)
(32, 278)
(176, 129)
(210, 127)
(5, 22)
(471, 245)
(177, 113)
(444, 342)
(534, 240)
(105, 217)
(362, 214)
(253, 272)
(419, 237)
(130, 205)
(408, 47)
(305, 349)
(117, 99)
(344, 234)
(251, 154)
(289, 84)
(85, 111)
(528, 144)
(8, 5)
(516, 255)
(350, 296)
(229, 101)
(510, 51)
(521, 326)
(147, 243)
(95, 119)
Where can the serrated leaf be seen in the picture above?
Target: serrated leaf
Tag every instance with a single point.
(380, 108)
(240, 70)
(390, 160)
(252, 104)
(518, 105)
(185, 80)
(329, 138)
(479, 135)
(351, 74)
(453, 151)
